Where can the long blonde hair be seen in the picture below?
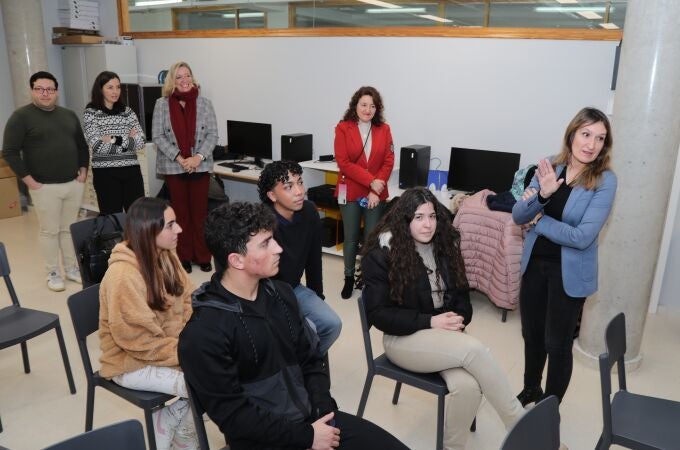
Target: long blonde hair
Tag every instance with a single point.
(591, 175)
(169, 84)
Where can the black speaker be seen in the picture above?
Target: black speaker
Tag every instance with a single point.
(296, 147)
(414, 166)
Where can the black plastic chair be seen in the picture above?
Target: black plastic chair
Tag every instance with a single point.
(18, 324)
(632, 420)
(538, 429)
(84, 308)
(81, 232)
(430, 382)
(126, 435)
(198, 411)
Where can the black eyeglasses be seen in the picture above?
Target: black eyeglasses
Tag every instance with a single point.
(42, 90)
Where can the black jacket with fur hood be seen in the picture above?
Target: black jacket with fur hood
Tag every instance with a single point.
(233, 352)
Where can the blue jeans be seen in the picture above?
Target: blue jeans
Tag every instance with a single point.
(319, 314)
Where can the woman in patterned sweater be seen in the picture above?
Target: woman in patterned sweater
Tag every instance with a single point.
(114, 136)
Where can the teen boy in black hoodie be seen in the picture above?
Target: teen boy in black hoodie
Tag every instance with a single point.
(246, 353)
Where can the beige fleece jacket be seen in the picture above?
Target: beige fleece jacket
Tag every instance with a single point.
(132, 335)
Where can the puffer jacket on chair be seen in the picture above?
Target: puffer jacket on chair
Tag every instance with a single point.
(491, 244)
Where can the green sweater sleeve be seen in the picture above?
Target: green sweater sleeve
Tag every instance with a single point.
(13, 142)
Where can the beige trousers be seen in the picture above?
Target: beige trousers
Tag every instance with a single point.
(57, 208)
(469, 370)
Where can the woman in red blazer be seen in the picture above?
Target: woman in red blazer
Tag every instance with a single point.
(365, 155)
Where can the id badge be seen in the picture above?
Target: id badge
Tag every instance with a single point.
(342, 193)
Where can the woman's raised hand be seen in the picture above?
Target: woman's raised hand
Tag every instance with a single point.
(447, 321)
(547, 178)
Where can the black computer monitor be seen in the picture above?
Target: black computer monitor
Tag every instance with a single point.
(472, 170)
(250, 139)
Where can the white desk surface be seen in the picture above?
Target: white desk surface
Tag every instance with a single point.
(326, 166)
(251, 175)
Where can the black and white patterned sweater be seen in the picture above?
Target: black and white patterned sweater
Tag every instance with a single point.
(98, 123)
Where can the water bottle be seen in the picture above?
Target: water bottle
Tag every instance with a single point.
(363, 202)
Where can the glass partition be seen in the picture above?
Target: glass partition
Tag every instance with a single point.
(201, 15)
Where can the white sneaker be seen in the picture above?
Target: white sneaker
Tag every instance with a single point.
(55, 282)
(73, 274)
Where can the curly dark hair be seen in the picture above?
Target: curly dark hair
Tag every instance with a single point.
(275, 172)
(402, 254)
(229, 227)
(351, 113)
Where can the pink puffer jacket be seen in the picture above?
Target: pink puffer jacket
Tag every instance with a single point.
(492, 249)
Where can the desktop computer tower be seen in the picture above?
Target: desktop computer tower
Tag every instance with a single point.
(414, 166)
(296, 147)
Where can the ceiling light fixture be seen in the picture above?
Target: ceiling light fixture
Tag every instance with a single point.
(566, 1)
(381, 4)
(243, 15)
(435, 18)
(609, 26)
(568, 9)
(592, 15)
(390, 11)
(156, 2)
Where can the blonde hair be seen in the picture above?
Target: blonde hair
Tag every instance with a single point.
(590, 177)
(169, 84)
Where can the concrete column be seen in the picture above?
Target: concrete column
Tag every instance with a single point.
(25, 40)
(646, 129)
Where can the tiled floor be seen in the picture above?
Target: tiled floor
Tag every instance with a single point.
(37, 409)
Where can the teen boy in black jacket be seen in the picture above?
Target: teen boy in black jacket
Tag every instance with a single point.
(246, 354)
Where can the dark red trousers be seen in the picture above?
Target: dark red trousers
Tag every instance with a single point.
(189, 199)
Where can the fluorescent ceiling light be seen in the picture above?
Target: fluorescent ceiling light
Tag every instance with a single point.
(243, 15)
(390, 11)
(567, 9)
(436, 18)
(381, 4)
(609, 26)
(566, 1)
(156, 2)
(589, 15)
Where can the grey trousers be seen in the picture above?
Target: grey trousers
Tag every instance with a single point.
(351, 226)
(469, 370)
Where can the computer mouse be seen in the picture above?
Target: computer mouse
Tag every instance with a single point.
(235, 169)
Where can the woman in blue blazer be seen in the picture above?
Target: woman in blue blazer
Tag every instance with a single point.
(566, 205)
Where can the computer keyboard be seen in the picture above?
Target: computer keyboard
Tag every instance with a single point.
(233, 165)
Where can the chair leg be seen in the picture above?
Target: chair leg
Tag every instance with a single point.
(504, 316)
(150, 434)
(364, 394)
(397, 391)
(0, 425)
(440, 422)
(64, 357)
(601, 444)
(24, 356)
(89, 407)
(473, 427)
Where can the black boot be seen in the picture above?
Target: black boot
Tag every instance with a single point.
(187, 266)
(530, 395)
(347, 288)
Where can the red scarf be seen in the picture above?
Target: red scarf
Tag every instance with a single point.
(183, 120)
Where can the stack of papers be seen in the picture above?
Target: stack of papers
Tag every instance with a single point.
(80, 14)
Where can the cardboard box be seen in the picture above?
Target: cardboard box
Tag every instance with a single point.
(10, 204)
(5, 171)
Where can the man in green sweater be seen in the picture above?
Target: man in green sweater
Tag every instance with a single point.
(44, 145)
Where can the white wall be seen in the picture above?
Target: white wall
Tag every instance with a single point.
(6, 89)
(496, 94)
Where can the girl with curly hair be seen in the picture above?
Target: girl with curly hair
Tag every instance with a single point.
(416, 292)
